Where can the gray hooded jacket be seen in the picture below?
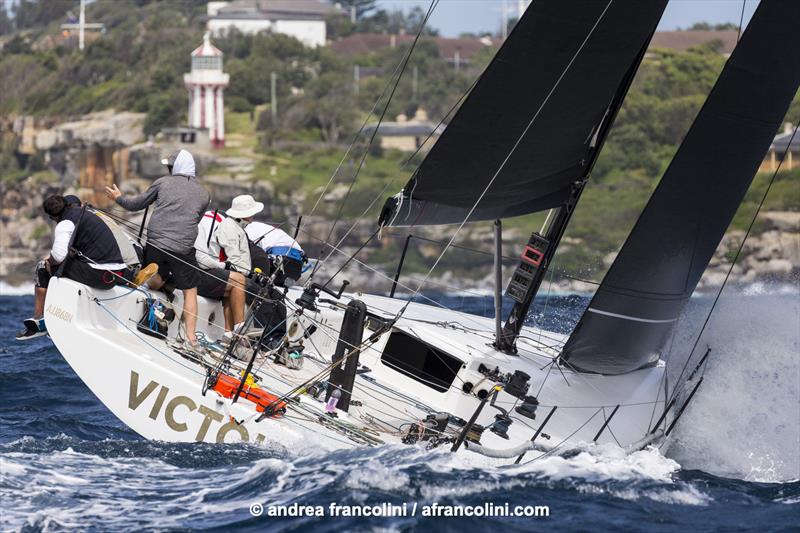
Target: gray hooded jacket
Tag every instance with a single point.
(180, 201)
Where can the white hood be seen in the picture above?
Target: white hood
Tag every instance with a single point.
(184, 164)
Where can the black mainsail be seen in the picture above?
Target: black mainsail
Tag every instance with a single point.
(638, 303)
(546, 49)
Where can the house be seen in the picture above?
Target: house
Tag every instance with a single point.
(456, 51)
(460, 51)
(778, 151)
(407, 135)
(301, 19)
(682, 40)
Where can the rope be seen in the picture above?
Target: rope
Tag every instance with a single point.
(361, 129)
(557, 446)
(172, 254)
(741, 21)
(446, 115)
(484, 252)
(377, 127)
(730, 269)
(516, 144)
(352, 256)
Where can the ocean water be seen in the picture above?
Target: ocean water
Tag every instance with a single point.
(66, 462)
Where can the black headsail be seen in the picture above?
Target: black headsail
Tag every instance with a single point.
(546, 44)
(637, 305)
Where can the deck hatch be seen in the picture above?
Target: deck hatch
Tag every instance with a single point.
(420, 361)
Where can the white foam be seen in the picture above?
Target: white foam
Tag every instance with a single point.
(376, 475)
(686, 495)
(605, 462)
(743, 422)
(15, 290)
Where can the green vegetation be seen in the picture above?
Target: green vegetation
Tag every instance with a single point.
(40, 231)
(138, 66)
(705, 26)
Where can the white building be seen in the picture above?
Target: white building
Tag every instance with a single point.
(205, 84)
(301, 19)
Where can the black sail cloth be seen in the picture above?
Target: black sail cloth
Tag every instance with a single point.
(638, 303)
(544, 44)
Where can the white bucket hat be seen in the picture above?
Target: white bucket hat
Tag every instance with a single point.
(244, 206)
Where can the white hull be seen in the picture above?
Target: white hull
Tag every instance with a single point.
(157, 392)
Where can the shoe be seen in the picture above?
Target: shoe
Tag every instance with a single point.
(34, 327)
(144, 275)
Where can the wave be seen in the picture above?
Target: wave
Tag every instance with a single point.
(124, 485)
(79, 467)
(743, 422)
(15, 290)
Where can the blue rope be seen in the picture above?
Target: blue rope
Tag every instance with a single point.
(134, 289)
(145, 341)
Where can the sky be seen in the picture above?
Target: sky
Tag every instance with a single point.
(452, 17)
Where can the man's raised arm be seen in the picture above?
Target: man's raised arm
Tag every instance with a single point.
(135, 202)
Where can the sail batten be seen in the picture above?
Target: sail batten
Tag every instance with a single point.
(670, 246)
(540, 104)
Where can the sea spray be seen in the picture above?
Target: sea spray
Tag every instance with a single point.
(744, 420)
(71, 463)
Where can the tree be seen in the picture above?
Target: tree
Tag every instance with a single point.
(705, 26)
(331, 105)
(5, 23)
(362, 7)
(32, 13)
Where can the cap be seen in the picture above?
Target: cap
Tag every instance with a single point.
(170, 160)
(71, 199)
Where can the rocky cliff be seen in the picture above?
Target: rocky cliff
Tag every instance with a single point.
(83, 156)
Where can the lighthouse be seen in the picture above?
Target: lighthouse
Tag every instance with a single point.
(205, 84)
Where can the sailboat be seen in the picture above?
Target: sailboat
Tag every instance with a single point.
(368, 370)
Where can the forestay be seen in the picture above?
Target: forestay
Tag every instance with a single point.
(638, 303)
(569, 56)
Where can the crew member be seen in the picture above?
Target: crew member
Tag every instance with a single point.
(276, 242)
(273, 243)
(226, 256)
(96, 260)
(218, 282)
(179, 201)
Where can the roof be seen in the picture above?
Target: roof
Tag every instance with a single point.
(683, 40)
(276, 10)
(364, 43)
(781, 141)
(207, 49)
(411, 128)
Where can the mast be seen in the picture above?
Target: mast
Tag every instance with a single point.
(637, 306)
(538, 254)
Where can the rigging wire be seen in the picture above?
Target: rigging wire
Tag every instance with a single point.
(514, 147)
(730, 269)
(129, 225)
(484, 252)
(441, 121)
(361, 129)
(741, 20)
(557, 446)
(361, 347)
(424, 21)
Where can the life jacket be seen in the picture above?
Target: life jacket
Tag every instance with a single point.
(227, 386)
(92, 237)
(126, 246)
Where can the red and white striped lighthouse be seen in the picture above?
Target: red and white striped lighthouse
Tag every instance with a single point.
(205, 84)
